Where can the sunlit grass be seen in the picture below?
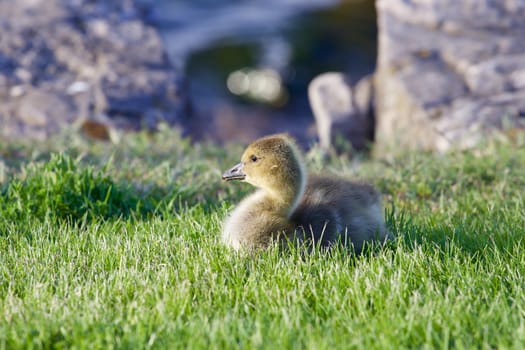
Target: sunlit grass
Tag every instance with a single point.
(117, 246)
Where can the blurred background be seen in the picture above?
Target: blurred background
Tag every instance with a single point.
(248, 63)
(448, 72)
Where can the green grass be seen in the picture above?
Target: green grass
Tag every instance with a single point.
(117, 246)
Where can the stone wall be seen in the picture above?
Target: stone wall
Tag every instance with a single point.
(68, 61)
(449, 71)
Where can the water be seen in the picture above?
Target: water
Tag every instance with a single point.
(190, 26)
(291, 40)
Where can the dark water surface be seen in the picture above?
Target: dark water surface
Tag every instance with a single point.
(249, 63)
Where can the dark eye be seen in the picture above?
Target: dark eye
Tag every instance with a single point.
(254, 158)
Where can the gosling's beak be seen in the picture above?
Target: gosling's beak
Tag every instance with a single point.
(234, 173)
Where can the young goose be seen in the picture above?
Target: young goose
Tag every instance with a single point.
(289, 205)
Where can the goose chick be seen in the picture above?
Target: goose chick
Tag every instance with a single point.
(288, 204)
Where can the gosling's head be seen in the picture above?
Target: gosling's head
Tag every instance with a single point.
(273, 163)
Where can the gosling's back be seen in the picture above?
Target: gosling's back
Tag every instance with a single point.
(333, 209)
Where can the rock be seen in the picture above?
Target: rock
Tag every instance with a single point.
(449, 72)
(68, 60)
(96, 129)
(364, 100)
(342, 110)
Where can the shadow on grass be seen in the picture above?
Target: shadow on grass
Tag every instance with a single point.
(473, 237)
(62, 189)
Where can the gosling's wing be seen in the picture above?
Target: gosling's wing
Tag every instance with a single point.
(316, 222)
(340, 192)
(332, 206)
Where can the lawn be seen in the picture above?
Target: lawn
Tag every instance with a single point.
(117, 246)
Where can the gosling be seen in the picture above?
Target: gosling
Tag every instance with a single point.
(289, 205)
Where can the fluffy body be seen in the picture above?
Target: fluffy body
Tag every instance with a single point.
(290, 205)
(255, 223)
